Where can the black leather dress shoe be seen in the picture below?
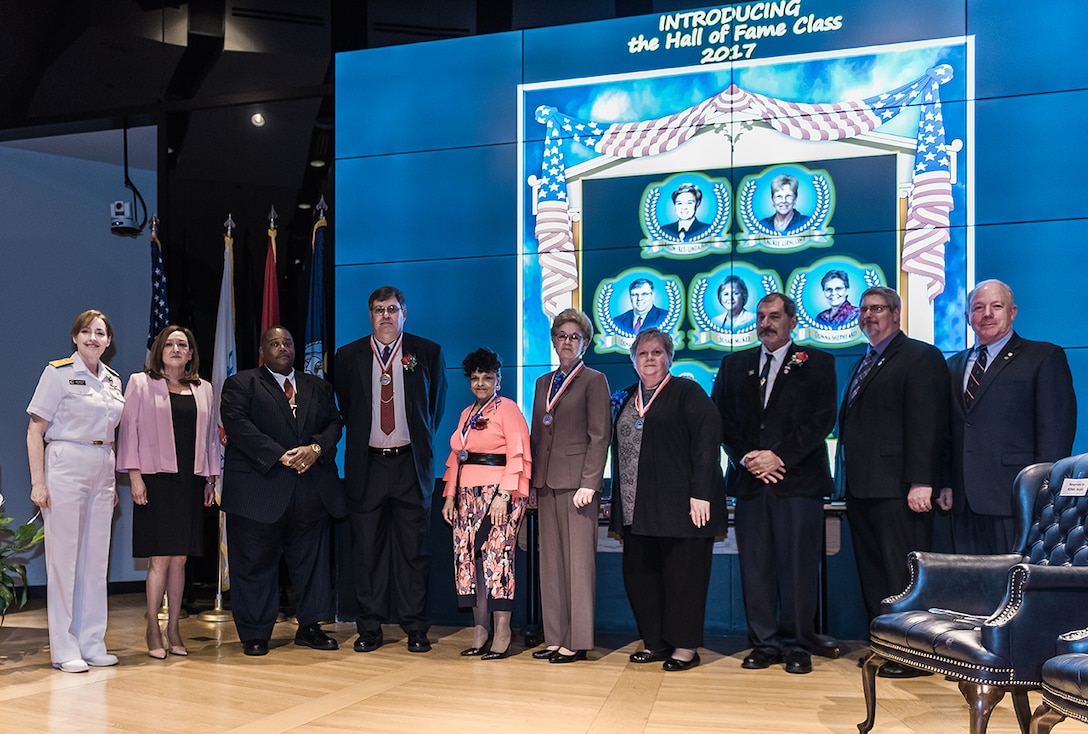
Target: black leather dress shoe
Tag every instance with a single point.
(892, 669)
(496, 655)
(255, 647)
(313, 636)
(368, 641)
(798, 661)
(473, 652)
(545, 654)
(649, 656)
(672, 664)
(758, 659)
(561, 658)
(418, 642)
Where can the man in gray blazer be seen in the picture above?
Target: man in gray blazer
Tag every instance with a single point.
(1012, 405)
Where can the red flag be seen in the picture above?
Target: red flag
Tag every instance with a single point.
(270, 303)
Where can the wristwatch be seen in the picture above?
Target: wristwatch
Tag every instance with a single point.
(504, 496)
(316, 448)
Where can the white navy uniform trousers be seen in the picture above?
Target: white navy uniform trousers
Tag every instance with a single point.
(83, 410)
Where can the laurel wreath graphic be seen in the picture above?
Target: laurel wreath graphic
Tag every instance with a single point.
(816, 221)
(717, 225)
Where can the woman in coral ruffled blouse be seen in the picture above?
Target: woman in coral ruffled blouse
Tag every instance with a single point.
(487, 484)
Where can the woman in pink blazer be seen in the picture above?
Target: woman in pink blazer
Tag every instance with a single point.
(169, 445)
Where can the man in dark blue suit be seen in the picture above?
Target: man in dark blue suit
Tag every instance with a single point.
(643, 314)
(279, 487)
(777, 403)
(893, 432)
(1012, 405)
(392, 391)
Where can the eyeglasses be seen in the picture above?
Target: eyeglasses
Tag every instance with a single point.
(568, 337)
(382, 310)
(873, 309)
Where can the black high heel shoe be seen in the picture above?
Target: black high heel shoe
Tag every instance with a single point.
(492, 655)
(561, 658)
(473, 652)
(545, 654)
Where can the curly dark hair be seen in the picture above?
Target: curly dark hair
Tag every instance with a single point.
(482, 360)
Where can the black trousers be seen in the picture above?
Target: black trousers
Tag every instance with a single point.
(977, 534)
(389, 546)
(884, 531)
(666, 581)
(779, 541)
(254, 548)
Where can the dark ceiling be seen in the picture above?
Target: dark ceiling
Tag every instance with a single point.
(198, 70)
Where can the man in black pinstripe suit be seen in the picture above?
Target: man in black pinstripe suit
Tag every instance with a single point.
(279, 487)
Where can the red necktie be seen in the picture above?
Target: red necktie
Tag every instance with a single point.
(289, 391)
(388, 420)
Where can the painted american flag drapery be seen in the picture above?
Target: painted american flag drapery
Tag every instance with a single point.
(930, 198)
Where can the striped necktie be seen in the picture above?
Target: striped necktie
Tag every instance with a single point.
(973, 380)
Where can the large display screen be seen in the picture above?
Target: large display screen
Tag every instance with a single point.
(669, 170)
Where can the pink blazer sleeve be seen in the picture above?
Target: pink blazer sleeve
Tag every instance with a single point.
(207, 461)
(146, 438)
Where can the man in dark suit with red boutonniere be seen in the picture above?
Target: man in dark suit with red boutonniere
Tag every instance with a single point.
(777, 404)
(392, 391)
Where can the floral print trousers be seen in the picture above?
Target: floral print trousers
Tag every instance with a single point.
(474, 536)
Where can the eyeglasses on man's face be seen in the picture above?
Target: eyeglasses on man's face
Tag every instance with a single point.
(382, 310)
(874, 309)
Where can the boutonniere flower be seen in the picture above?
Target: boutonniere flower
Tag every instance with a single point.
(479, 423)
(409, 362)
(797, 360)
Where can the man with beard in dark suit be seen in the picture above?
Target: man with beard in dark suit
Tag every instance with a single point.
(777, 403)
(893, 430)
(392, 390)
(1012, 405)
(279, 487)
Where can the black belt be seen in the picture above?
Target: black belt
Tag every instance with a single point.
(471, 457)
(394, 451)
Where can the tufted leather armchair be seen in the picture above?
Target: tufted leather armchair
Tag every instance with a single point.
(989, 622)
(1065, 683)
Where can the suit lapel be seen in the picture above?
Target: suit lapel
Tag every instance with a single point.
(366, 371)
(276, 394)
(956, 368)
(997, 362)
(304, 399)
(888, 354)
(780, 377)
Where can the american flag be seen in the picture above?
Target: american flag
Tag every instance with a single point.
(159, 316)
(931, 192)
(930, 198)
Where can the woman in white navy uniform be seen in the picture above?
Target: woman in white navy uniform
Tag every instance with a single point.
(73, 415)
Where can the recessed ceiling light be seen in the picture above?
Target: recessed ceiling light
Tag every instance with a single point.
(257, 119)
(303, 205)
(317, 163)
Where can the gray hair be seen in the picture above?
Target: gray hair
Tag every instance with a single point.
(653, 333)
(890, 297)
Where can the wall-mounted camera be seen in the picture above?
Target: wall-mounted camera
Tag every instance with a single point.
(122, 223)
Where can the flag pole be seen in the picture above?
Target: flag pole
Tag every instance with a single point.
(219, 613)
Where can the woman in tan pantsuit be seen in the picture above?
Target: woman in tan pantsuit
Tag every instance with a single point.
(571, 430)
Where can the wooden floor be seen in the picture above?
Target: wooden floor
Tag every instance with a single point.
(295, 689)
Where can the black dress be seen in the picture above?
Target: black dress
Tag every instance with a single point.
(170, 524)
